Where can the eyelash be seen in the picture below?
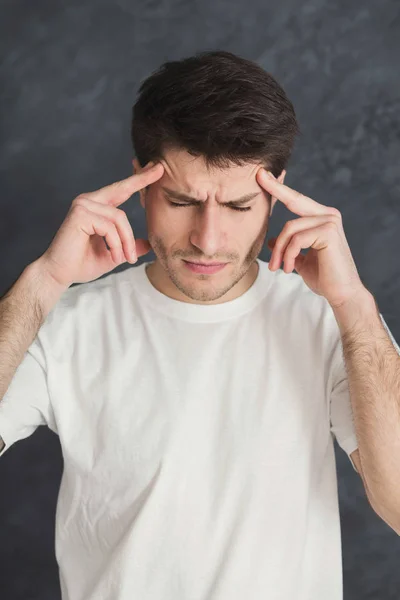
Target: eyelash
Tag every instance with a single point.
(238, 208)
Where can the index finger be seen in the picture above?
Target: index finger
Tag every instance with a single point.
(295, 201)
(118, 192)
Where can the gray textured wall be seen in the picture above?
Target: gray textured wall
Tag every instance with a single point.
(69, 75)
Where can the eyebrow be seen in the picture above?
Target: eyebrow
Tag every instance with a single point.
(185, 198)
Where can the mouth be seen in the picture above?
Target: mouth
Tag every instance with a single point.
(204, 267)
(203, 264)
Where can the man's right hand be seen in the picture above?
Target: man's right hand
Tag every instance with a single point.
(78, 253)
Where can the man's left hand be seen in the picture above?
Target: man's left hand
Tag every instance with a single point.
(328, 268)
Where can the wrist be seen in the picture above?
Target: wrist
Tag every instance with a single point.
(45, 289)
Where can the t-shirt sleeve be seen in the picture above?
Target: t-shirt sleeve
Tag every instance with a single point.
(26, 404)
(341, 414)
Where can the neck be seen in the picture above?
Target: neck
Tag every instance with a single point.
(160, 280)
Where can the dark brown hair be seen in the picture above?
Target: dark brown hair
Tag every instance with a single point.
(217, 105)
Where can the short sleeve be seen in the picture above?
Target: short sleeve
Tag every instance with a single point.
(396, 346)
(26, 404)
(341, 414)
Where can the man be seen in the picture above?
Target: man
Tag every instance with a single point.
(197, 396)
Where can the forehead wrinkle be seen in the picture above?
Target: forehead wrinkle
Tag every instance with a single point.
(181, 179)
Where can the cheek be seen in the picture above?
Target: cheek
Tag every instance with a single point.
(165, 222)
(155, 211)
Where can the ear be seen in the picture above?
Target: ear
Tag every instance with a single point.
(281, 179)
(136, 170)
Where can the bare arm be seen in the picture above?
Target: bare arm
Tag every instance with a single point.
(77, 254)
(23, 309)
(373, 368)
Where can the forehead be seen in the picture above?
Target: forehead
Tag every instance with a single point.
(189, 174)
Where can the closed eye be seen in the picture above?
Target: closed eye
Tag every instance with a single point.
(241, 209)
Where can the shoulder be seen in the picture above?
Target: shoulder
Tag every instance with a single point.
(81, 307)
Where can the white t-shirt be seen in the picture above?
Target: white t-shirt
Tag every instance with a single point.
(197, 440)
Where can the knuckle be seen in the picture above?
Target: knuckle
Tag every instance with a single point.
(112, 230)
(119, 185)
(80, 209)
(79, 198)
(121, 216)
(289, 226)
(110, 223)
(331, 225)
(125, 221)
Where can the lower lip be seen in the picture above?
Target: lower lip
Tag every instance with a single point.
(203, 269)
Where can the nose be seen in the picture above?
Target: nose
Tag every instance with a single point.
(208, 232)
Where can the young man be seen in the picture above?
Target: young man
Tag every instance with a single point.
(197, 396)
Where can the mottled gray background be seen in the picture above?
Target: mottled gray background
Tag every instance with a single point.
(69, 76)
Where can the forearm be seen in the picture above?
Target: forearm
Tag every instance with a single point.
(373, 369)
(23, 310)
